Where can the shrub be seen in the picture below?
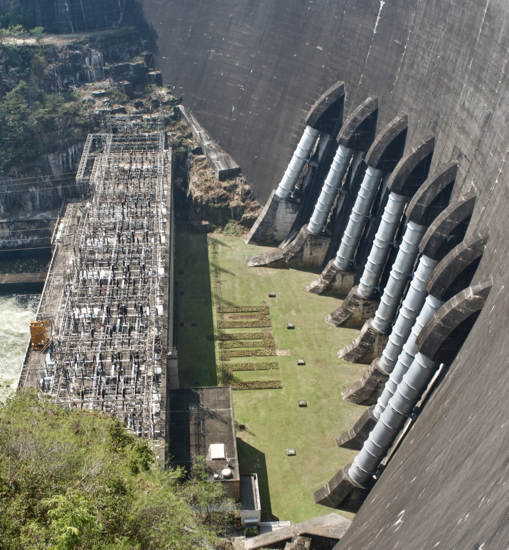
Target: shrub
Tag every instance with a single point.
(38, 33)
(267, 342)
(258, 385)
(251, 531)
(78, 479)
(233, 229)
(243, 336)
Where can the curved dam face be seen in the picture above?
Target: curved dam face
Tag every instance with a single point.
(250, 70)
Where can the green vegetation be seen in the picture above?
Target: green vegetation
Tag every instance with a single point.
(228, 205)
(251, 531)
(38, 33)
(15, 18)
(233, 229)
(28, 116)
(250, 376)
(274, 421)
(73, 479)
(271, 419)
(32, 121)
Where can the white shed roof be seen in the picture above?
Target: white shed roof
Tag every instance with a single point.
(217, 451)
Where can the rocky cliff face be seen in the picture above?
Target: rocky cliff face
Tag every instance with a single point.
(28, 232)
(77, 15)
(43, 192)
(73, 84)
(76, 60)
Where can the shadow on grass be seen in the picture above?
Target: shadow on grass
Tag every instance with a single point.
(219, 242)
(313, 270)
(227, 271)
(253, 461)
(193, 312)
(332, 294)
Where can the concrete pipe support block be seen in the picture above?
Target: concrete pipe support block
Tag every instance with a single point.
(353, 312)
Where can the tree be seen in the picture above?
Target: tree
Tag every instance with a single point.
(73, 479)
(17, 128)
(38, 33)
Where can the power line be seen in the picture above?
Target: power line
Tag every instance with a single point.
(36, 177)
(28, 230)
(34, 185)
(41, 188)
(18, 249)
(35, 180)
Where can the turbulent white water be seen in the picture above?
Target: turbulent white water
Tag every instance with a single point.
(16, 312)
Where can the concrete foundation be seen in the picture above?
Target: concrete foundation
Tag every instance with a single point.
(354, 439)
(353, 312)
(306, 250)
(342, 492)
(369, 388)
(324, 530)
(368, 345)
(274, 222)
(333, 280)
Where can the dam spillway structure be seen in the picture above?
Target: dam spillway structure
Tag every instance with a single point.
(384, 154)
(307, 245)
(443, 64)
(250, 72)
(410, 173)
(281, 211)
(430, 200)
(107, 296)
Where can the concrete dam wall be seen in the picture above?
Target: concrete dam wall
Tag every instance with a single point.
(249, 71)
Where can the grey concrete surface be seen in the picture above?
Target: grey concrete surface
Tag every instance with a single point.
(331, 526)
(251, 70)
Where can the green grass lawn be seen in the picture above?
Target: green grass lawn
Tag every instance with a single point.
(248, 376)
(272, 419)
